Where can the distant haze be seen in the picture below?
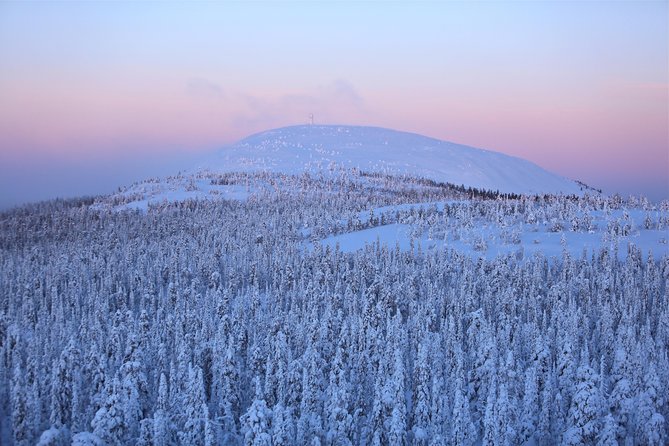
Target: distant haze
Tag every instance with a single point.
(94, 95)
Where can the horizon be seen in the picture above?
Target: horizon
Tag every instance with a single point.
(99, 95)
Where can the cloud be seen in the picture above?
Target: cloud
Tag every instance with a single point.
(344, 91)
(337, 101)
(203, 88)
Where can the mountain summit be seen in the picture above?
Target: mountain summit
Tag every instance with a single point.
(305, 148)
(327, 149)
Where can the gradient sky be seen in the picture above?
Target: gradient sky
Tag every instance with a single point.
(96, 94)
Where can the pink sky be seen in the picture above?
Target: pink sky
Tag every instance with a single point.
(579, 88)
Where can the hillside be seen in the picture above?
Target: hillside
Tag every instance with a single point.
(348, 150)
(303, 148)
(334, 309)
(289, 294)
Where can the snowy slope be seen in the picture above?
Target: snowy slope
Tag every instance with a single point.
(487, 238)
(305, 148)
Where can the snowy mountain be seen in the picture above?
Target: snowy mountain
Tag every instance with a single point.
(264, 306)
(303, 148)
(331, 150)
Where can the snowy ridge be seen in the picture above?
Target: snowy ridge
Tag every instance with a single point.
(308, 148)
(343, 150)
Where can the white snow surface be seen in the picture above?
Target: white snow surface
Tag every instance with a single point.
(140, 196)
(197, 189)
(489, 239)
(306, 148)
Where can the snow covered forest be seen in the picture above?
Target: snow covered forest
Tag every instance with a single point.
(233, 322)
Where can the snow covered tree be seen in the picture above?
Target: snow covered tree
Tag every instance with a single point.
(621, 398)
(282, 426)
(422, 403)
(133, 389)
(109, 421)
(463, 428)
(21, 428)
(585, 410)
(256, 422)
(162, 429)
(491, 434)
(651, 424)
(64, 380)
(530, 410)
(310, 424)
(145, 433)
(227, 393)
(196, 411)
(608, 436)
(337, 405)
(397, 424)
